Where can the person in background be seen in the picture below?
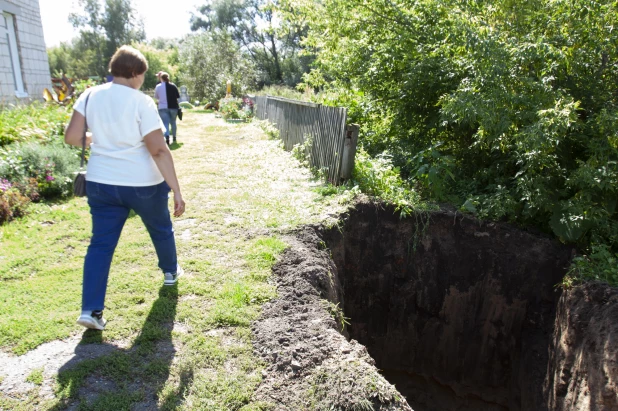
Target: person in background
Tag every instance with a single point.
(167, 95)
(130, 168)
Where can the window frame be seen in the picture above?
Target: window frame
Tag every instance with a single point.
(7, 30)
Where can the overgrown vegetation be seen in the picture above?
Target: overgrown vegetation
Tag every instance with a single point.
(378, 176)
(34, 122)
(208, 61)
(35, 164)
(507, 110)
(232, 108)
(270, 129)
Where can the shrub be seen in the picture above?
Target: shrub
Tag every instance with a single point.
(599, 264)
(12, 202)
(186, 105)
(378, 177)
(48, 168)
(507, 111)
(283, 91)
(36, 121)
(270, 129)
(231, 108)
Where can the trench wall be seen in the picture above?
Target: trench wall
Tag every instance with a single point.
(583, 366)
(461, 311)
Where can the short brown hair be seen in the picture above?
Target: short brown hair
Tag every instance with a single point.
(128, 62)
(165, 77)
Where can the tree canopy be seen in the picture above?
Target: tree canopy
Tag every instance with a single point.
(260, 31)
(209, 60)
(103, 27)
(504, 108)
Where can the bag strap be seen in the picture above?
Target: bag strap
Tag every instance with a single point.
(81, 165)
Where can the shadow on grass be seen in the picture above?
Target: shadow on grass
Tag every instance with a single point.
(104, 377)
(176, 146)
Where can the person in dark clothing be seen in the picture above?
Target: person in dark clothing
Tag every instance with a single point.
(167, 95)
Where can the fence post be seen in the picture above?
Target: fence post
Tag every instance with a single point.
(349, 150)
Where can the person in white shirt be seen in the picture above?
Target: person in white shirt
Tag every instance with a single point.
(130, 168)
(167, 94)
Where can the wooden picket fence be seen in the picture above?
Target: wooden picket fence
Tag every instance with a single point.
(333, 143)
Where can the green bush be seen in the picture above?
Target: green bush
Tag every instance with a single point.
(231, 108)
(12, 202)
(186, 105)
(600, 264)
(51, 167)
(507, 111)
(283, 91)
(378, 177)
(270, 129)
(40, 122)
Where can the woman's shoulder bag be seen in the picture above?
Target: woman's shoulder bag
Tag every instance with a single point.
(79, 184)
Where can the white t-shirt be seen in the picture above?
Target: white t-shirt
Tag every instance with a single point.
(119, 118)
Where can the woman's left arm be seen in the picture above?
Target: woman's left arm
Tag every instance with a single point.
(75, 131)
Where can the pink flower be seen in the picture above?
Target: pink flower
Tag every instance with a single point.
(50, 178)
(5, 185)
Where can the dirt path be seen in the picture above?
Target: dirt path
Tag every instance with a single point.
(240, 188)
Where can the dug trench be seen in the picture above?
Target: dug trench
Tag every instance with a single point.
(438, 311)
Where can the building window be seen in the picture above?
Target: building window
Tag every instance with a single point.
(7, 31)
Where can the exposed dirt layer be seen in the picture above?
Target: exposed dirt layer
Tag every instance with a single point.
(583, 371)
(460, 307)
(310, 364)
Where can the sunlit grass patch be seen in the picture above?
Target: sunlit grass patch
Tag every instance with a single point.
(184, 347)
(264, 252)
(36, 376)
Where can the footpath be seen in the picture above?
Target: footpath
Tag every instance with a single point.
(185, 347)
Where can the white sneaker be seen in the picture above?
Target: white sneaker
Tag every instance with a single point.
(92, 319)
(172, 278)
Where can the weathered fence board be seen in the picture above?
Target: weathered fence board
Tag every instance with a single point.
(325, 126)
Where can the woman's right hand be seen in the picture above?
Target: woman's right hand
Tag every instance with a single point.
(160, 152)
(179, 204)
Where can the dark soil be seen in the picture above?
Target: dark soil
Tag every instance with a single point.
(583, 366)
(310, 364)
(458, 314)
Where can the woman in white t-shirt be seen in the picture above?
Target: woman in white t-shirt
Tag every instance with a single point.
(130, 168)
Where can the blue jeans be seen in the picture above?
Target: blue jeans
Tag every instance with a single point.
(168, 116)
(110, 206)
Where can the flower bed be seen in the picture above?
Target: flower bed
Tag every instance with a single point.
(35, 164)
(236, 109)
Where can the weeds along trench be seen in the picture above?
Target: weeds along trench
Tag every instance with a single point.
(456, 313)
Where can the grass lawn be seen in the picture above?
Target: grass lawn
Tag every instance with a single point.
(182, 347)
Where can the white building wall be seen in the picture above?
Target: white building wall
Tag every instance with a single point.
(32, 52)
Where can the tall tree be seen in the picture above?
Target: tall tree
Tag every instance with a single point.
(208, 60)
(259, 30)
(104, 29)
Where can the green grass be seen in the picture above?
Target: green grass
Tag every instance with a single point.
(32, 122)
(201, 111)
(36, 376)
(189, 345)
